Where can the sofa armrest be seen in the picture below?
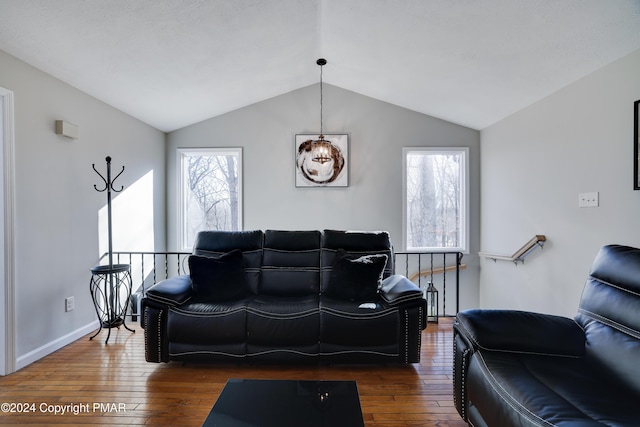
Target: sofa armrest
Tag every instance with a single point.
(397, 290)
(521, 331)
(174, 291)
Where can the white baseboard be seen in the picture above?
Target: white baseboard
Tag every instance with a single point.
(57, 344)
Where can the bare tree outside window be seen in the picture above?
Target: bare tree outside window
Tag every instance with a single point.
(434, 190)
(210, 191)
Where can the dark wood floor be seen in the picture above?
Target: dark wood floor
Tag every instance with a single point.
(129, 391)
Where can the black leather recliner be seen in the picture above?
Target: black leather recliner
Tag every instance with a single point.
(515, 368)
(300, 299)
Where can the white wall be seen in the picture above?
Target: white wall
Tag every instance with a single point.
(57, 208)
(534, 163)
(373, 200)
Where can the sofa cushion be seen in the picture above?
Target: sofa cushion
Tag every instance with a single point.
(218, 279)
(198, 330)
(281, 325)
(351, 329)
(221, 322)
(354, 243)
(214, 243)
(290, 263)
(359, 241)
(356, 278)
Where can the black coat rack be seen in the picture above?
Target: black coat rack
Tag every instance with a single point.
(110, 284)
(108, 187)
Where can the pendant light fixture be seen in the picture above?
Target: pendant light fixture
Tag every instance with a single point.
(321, 148)
(320, 160)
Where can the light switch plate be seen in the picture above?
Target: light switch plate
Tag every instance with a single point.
(588, 200)
(69, 304)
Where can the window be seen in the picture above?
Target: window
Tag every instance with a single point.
(210, 191)
(435, 199)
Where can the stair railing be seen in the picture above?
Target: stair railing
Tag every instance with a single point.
(518, 256)
(423, 268)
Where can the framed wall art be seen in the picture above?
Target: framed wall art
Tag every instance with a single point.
(636, 145)
(322, 162)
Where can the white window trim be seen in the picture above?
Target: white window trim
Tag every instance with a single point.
(464, 244)
(181, 152)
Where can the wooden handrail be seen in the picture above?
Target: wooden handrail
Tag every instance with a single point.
(439, 270)
(519, 255)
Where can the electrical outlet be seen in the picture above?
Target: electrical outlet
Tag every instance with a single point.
(588, 200)
(68, 304)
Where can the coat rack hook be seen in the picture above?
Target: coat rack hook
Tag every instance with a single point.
(103, 179)
(114, 180)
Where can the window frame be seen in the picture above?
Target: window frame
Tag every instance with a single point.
(464, 198)
(181, 153)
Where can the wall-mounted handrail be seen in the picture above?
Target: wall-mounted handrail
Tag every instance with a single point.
(518, 256)
(437, 270)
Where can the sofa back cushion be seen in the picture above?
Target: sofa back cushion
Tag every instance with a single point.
(291, 263)
(353, 243)
(609, 313)
(218, 279)
(217, 243)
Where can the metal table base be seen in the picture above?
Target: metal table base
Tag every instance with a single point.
(110, 288)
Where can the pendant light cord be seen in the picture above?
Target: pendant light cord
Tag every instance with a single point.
(321, 134)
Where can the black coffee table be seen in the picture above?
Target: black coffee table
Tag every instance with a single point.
(283, 403)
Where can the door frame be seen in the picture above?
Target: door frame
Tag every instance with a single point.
(7, 219)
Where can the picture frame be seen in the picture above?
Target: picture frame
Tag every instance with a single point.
(332, 170)
(636, 145)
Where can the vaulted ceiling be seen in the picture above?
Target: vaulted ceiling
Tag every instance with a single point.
(171, 63)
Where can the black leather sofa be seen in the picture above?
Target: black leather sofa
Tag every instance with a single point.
(514, 368)
(286, 295)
